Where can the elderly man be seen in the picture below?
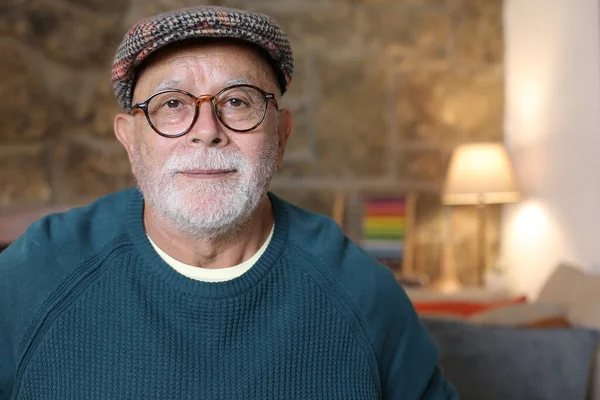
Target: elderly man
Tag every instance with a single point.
(199, 284)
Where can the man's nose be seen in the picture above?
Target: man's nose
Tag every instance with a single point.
(207, 130)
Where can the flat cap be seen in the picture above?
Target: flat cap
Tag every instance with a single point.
(151, 34)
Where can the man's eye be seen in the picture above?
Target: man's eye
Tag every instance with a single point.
(173, 103)
(236, 103)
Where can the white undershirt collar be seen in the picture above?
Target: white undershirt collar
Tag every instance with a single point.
(210, 274)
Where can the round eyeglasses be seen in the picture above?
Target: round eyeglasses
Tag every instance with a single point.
(173, 113)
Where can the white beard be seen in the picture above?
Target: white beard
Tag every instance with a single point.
(206, 208)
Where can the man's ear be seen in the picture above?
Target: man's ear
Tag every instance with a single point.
(284, 131)
(124, 126)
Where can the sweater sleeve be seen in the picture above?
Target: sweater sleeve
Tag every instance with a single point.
(30, 272)
(25, 283)
(11, 327)
(408, 357)
(438, 388)
(7, 367)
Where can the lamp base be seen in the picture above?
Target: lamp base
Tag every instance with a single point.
(446, 285)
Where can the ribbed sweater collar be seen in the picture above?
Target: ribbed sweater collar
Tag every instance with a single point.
(155, 265)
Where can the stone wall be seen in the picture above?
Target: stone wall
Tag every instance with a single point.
(383, 90)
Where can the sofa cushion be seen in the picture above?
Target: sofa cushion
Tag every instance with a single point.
(499, 363)
(563, 285)
(535, 314)
(580, 292)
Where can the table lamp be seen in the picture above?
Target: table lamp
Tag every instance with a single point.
(480, 174)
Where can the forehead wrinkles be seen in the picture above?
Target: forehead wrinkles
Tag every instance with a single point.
(215, 67)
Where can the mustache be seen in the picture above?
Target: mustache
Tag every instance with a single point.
(210, 158)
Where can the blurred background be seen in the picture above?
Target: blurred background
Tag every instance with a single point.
(384, 91)
(448, 109)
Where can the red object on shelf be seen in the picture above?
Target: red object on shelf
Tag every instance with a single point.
(462, 308)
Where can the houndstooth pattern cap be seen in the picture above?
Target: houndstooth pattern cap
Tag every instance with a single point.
(151, 34)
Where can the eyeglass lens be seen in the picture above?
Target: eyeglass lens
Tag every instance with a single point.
(238, 108)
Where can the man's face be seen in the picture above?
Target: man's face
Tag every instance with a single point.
(212, 178)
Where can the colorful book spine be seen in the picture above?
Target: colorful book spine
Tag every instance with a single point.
(384, 227)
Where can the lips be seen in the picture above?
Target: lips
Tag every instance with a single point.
(207, 173)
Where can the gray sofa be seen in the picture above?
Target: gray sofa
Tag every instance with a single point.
(506, 353)
(500, 363)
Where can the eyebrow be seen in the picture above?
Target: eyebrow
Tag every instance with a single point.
(174, 83)
(168, 84)
(236, 81)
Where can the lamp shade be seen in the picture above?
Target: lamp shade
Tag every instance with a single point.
(480, 173)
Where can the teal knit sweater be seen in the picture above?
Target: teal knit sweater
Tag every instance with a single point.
(88, 310)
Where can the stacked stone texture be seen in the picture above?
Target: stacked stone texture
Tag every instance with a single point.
(383, 90)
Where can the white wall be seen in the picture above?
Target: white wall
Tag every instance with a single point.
(552, 131)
